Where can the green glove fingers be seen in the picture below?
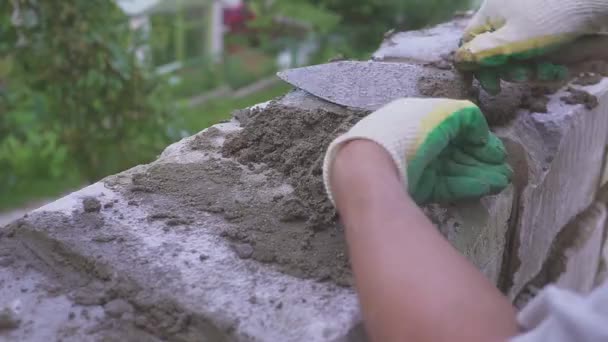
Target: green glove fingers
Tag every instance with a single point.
(459, 156)
(496, 177)
(493, 152)
(449, 181)
(551, 72)
(473, 126)
(428, 152)
(457, 181)
(523, 66)
(458, 159)
(465, 126)
(518, 72)
(433, 145)
(533, 71)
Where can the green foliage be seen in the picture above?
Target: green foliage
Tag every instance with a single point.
(355, 27)
(197, 78)
(27, 149)
(39, 155)
(201, 75)
(162, 39)
(75, 91)
(237, 75)
(305, 12)
(364, 21)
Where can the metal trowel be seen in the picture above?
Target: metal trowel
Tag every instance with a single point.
(369, 85)
(362, 85)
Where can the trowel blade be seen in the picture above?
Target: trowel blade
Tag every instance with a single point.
(360, 85)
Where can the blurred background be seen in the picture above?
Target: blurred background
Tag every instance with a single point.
(91, 88)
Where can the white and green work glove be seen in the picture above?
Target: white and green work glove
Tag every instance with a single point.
(443, 149)
(503, 35)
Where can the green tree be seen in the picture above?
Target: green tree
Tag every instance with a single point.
(356, 27)
(75, 84)
(364, 21)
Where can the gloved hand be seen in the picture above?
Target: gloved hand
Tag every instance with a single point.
(442, 148)
(502, 34)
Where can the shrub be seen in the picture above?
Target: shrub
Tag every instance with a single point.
(101, 107)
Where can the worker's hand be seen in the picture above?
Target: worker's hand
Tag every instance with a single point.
(442, 148)
(502, 34)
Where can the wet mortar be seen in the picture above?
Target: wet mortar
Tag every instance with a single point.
(588, 78)
(537, 98)
(295, 230)
(293, 142)
(578, 96)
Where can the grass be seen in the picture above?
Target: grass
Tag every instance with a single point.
(37, 189)
(198, 118)
(241, 68)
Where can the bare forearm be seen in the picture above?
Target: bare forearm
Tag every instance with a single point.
(412, 283)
